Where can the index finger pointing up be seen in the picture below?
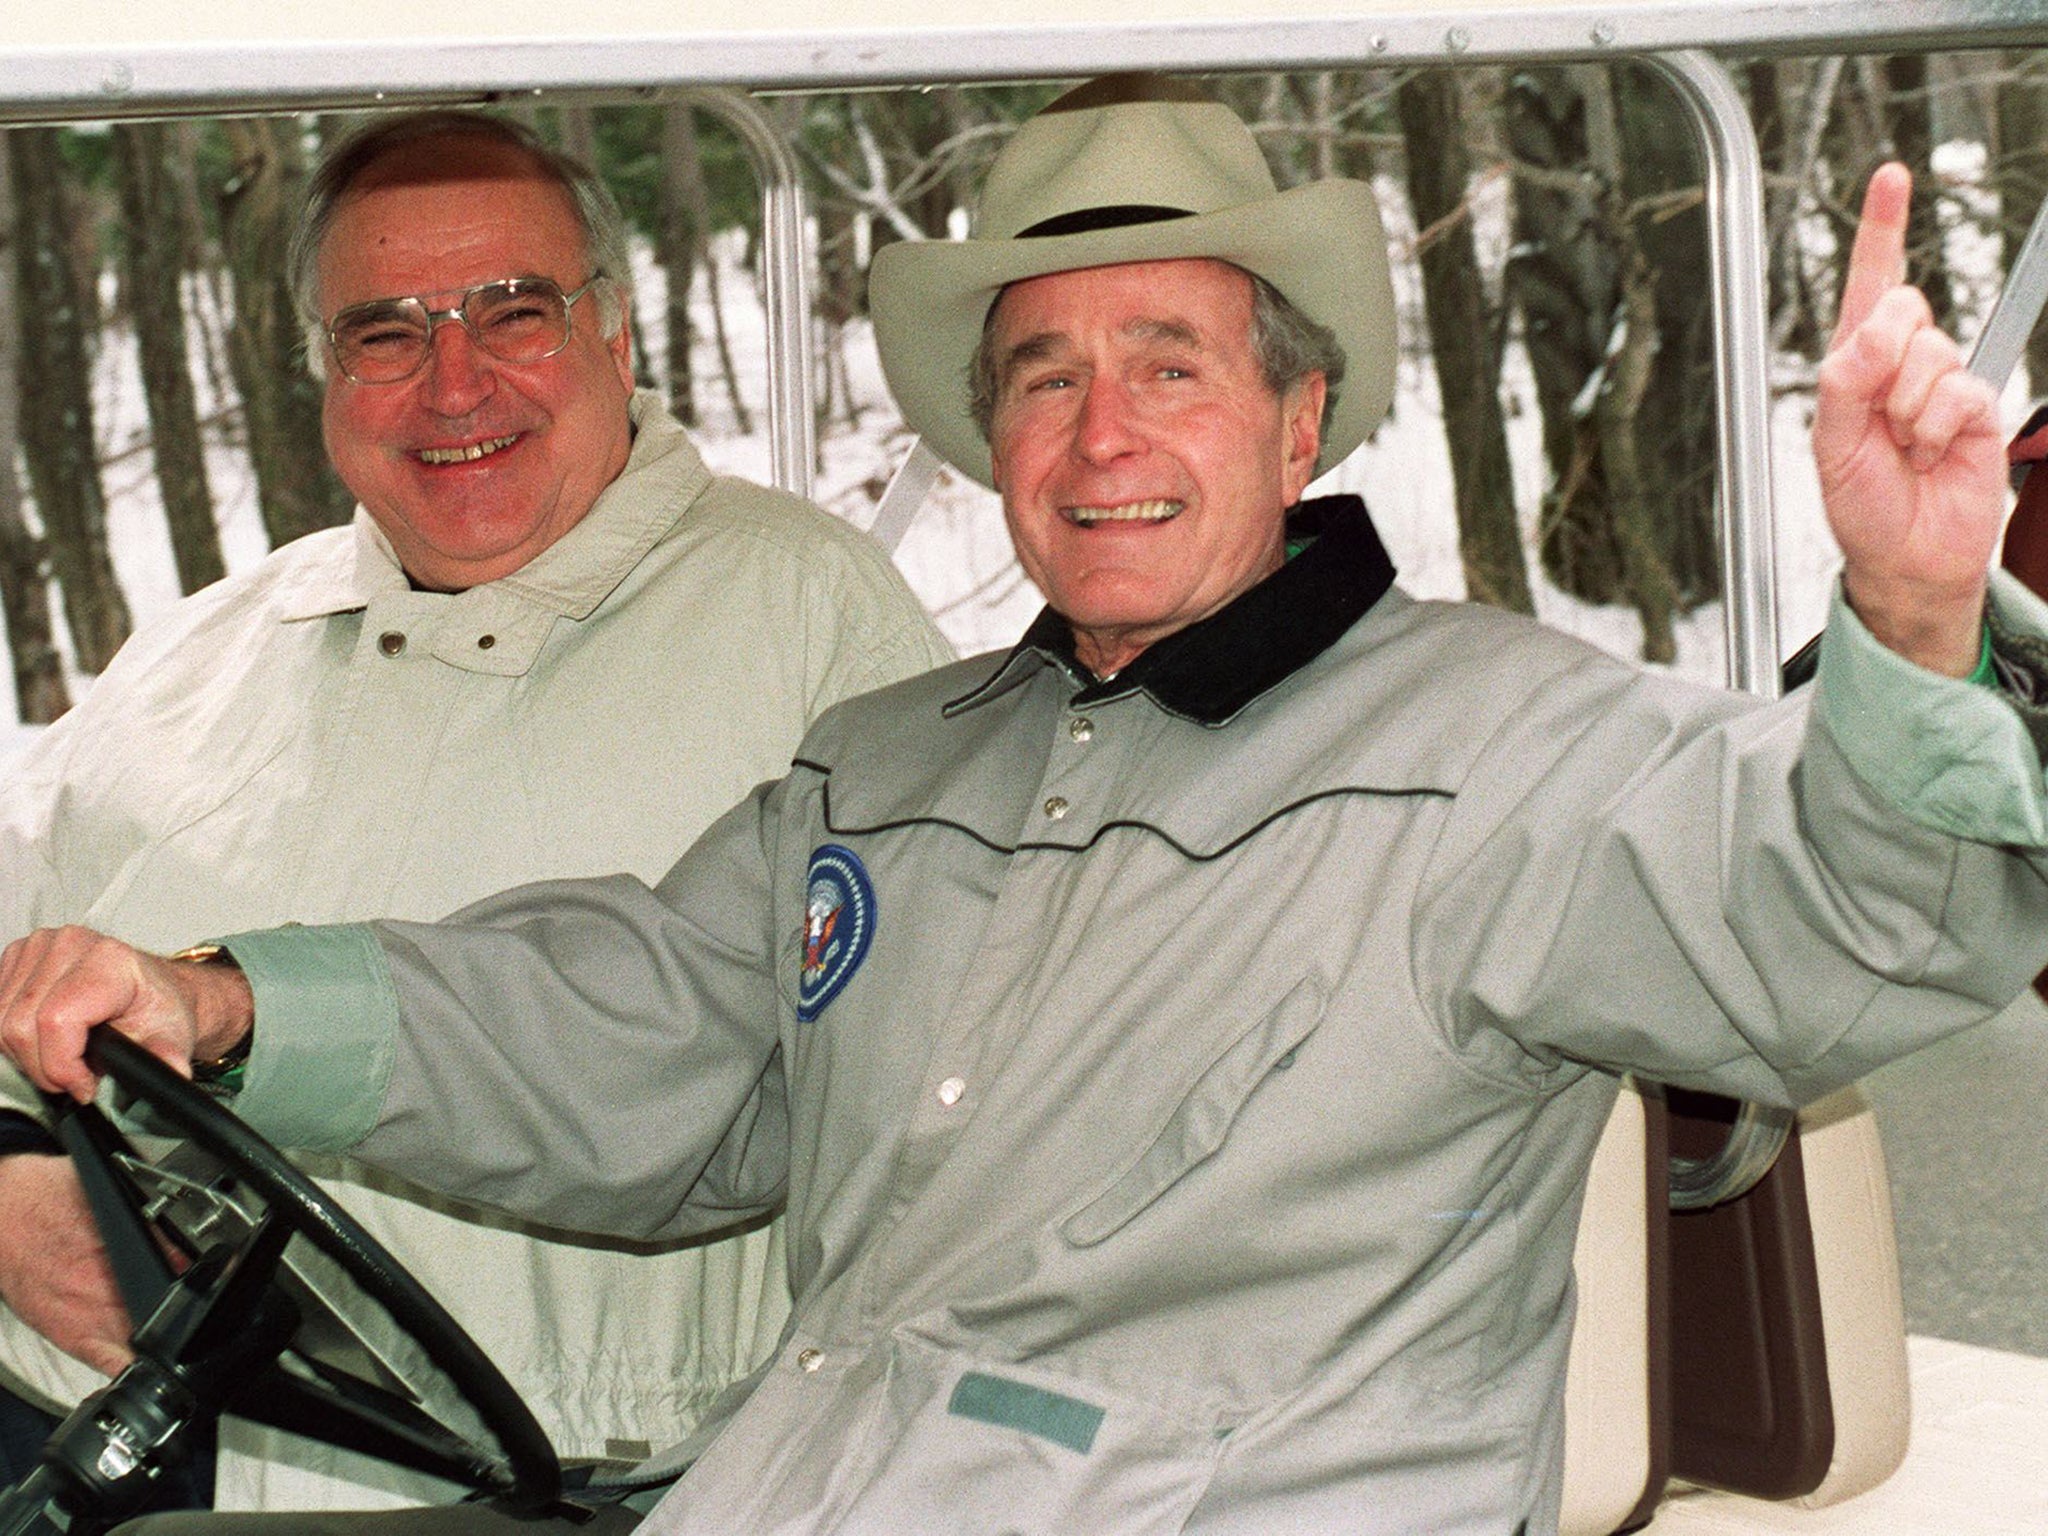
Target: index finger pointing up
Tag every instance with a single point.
(1877, 261)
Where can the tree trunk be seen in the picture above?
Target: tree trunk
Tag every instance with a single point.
(1563, 277)
(203, 259)
(1461, 344)
(1590, 298)
(1617, 413)
(153, 255)
(1909, 115)
(682, 237)
(40, 695)
(579, 135)
(56, 416)
(1778, 106)
(295, 486)
(1676, 435)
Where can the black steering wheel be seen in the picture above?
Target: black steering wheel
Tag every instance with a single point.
(333, 1339)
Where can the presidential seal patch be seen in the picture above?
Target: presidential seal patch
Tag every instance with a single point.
(839, 921)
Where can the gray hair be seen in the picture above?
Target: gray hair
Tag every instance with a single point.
(597, 212)
(1288, 344)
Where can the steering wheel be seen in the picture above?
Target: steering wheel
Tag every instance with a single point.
(244, 1326)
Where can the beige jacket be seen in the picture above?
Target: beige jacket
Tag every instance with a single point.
(315, 741)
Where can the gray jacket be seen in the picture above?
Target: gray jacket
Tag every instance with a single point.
(1181, 1086)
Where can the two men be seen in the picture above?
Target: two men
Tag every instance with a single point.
(553, 642)
(1179, 1042)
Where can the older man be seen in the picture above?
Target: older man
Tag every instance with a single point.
(1181, 1040)
(552, 643)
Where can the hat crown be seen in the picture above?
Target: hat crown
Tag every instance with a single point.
(1192, 156)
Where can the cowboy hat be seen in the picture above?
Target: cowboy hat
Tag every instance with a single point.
(1134, 168)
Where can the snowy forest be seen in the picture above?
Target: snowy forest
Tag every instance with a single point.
(1549, 234)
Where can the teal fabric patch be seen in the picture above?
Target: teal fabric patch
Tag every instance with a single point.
(1015, 1405)
(326, 1017)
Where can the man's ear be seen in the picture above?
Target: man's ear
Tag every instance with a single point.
(621, 345)
(1302, 424)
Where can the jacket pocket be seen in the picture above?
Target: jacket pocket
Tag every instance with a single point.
(1202, 1120)
(1006, 1449)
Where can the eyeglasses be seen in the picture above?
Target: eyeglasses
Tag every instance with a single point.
(517, 320)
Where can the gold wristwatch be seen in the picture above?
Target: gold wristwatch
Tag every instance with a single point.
(224, 1070)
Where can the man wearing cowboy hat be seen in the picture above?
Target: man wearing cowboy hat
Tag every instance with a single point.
(1179, 1042)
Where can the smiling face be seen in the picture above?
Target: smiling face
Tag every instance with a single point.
(1145, 465)
(473, 465)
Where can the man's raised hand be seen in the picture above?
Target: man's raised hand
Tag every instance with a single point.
(1911, 460)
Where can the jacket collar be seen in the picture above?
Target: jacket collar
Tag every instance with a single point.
(663, 475)
(1212, 669)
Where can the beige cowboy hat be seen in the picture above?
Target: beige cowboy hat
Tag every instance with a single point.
(1134, 168)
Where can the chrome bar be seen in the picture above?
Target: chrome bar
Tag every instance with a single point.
(792, 424)
(2018, 310)
(1740, 299)
(907, 490)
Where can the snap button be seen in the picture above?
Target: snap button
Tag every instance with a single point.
(1081, 728)
(1056, 807)
(808, 1360)
(951, 1090)
(391, 642)
(485, 642)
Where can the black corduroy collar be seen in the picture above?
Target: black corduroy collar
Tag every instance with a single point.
(1213, 668)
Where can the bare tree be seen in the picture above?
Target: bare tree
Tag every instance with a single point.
(1799, 96)
(1909, 116)
(1461, 339)
(1564, 277)
(202, 256)
(56, 418)
(1664, 223)
(40, 695)
(686, 223)
(153, 260)
(1588, 294)
(677, 243)
(296, 488)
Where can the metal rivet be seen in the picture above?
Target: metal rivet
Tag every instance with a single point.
(1081, 729)
(951, 1090)
(1055, 807)
(391, 642)
(1603, 34)
(485, 642)
(1457, 40)
(809, 1359)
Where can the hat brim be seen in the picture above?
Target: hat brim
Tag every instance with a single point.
(1320, 244)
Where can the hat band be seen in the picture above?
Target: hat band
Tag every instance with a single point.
(1112, 216)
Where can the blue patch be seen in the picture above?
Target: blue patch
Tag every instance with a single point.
(839, 922)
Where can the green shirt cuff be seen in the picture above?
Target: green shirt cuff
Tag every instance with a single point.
(1953, 756)
(326, 1016)
(1986, 675)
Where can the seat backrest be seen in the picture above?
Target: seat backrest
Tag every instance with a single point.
(1800, 1341)
(1863, 1313)
(1615, 1436)
(1788, 1346)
